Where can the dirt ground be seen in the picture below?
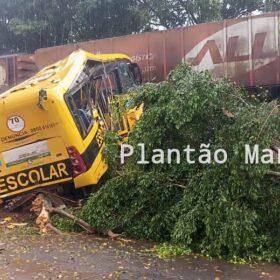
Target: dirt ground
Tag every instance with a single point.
(26, 255)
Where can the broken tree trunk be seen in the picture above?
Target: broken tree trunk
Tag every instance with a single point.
(40, 207)
(76, 220)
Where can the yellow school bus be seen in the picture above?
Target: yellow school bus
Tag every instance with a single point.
(53, 125)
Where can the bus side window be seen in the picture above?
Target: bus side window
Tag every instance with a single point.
(118, 82)
(81, 109)
(101, 96)
(126, 77)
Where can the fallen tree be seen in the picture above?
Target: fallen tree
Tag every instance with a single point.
(229, 209)
(43, 207)
(47, 205)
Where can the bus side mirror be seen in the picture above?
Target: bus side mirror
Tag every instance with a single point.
(136, 73)
(43, 96)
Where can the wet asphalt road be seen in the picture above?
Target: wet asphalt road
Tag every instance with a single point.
(26, 256)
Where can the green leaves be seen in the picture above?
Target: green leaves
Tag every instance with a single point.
(28, 25)
(36, 24)
(223, 210)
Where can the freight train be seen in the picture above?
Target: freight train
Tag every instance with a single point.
(245, 50)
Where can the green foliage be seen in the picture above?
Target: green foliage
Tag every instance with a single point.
(64, 224)
(28, 25)
(237, 9)
(108, 18)
(111, 150)
(229, 210)
(271, 5)
(167, 250)
(170, 13)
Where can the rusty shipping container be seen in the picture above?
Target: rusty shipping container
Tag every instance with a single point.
(245, 50)
(14, 69)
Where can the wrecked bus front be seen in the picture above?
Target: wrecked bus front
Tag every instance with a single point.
(40, 143)
(53, 125)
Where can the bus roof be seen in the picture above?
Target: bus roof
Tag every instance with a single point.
(58, 76)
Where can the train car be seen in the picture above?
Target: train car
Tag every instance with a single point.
(245, 50)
